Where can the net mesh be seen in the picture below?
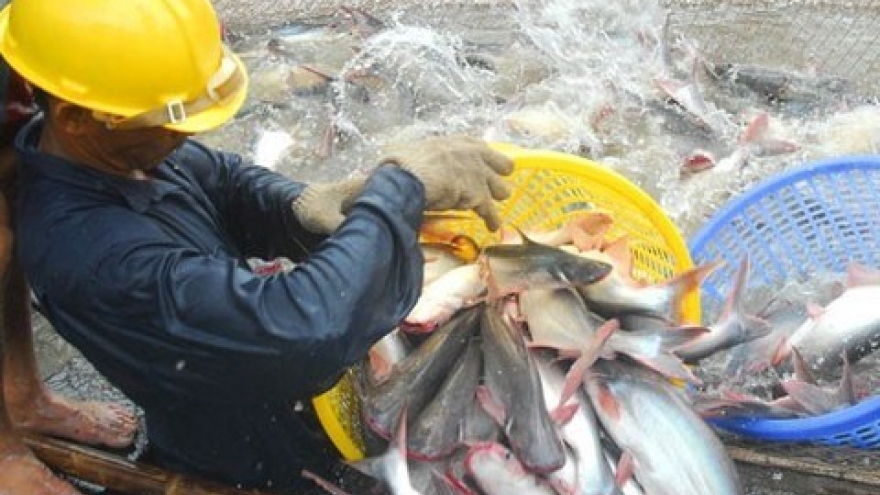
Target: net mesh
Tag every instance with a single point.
(823, 37)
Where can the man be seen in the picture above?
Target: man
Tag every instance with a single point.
(135, 238)
(25, 402)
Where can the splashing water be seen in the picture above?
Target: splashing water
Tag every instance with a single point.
(578, 76)
(574, 76)
(582, 77)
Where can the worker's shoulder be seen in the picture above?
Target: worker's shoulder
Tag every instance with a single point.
(193, 152)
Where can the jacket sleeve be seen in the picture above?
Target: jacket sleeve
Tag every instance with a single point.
(253, 202)
(288, 334)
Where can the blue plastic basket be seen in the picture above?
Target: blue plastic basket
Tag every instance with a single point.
(815, 219)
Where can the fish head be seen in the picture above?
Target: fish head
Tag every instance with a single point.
(492, 456)
(581, 270)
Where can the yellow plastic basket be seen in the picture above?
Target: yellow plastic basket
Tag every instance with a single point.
(549, 187)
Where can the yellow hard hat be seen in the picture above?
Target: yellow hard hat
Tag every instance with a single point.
(134, 63)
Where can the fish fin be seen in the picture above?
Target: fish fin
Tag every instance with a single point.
(418, 327)
(620, 254)
(328, 138)
(376, 466)
(586, 242)
(811, 397)
(689, 281)
(380, 367)
(588, 230)
(776, 147)
(459, 485)
(575, 376)
(608, 402)
(324, 484)
(670, 366)
(756, 328)
(734, 300)
(493, 290)
(693, 278)
(371, 466)
(860, 275)
(510, 235)
(783, 349)
(399, 440)
(846, 391)
(492, 406)
(676, 337)
(526, 240)
(815, 311)
(626, 466)
(323, 75)
(443, 479)
(563, 414)
(698, 161)
(801, 369)
(563, 354)
(756, 129)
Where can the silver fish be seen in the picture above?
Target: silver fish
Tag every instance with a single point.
(615, 295)
(427, 478)
(512, 379)
(415, 380)
(436, 430)
(733, 327)
(581, 434)
(649, 419)
(391, 467)
(386, 353)
(443, 297)
(438, 262)
(498, 472)
(516, 267)
(817, 400)
(558, 318)
(849, 324)
(784, 316)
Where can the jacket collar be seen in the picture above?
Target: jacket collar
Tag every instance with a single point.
(138, 194)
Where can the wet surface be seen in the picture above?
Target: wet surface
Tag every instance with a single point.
(579, 77)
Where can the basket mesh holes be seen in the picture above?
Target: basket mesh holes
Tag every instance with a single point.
(866, 436)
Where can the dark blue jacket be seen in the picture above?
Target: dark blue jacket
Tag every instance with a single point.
(148, 279)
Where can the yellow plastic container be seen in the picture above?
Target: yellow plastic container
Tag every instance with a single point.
(548, 188)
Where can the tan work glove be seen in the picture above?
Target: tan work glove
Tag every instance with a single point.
(458, 172)
(319, 208)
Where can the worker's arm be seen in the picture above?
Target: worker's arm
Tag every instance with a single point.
(238, 334)
(254, 203)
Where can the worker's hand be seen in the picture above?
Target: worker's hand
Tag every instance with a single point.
(459, 173)
(319, 208)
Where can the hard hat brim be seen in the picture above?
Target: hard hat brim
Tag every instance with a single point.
(203, 121)
(218, 114)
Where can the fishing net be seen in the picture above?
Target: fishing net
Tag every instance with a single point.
(828, 38)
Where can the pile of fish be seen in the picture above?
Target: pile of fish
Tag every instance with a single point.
(539, 365)
(803, 367)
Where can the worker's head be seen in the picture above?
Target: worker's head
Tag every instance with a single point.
(133, 64)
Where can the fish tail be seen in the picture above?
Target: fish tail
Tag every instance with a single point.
(691, 280)
(578, 370)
